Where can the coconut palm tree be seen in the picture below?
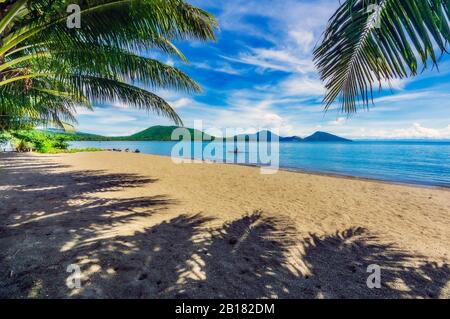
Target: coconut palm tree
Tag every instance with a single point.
(48, 69)
(368, 42)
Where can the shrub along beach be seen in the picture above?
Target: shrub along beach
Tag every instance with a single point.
(41, 142)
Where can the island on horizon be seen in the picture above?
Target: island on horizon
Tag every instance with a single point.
(164, 133)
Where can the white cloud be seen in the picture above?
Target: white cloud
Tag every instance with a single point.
(416, 130)
(293, 28)
(170, 62)
(394, 84)
(79, 110)
(108, 130)
(283, 16)
(412, 96)
(246, 111)
(274, 59)
(119, 105)
(301, 86)
(115, 119)
(273, 118)
(303, 38)
(338, 122)
(218, 67)
(228, 69)
(177, 104)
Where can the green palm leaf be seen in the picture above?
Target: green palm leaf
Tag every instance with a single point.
(44, 63)
(370, 41)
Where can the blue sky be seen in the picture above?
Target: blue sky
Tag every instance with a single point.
(260, 74)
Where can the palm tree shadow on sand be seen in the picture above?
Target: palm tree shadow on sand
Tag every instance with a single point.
(260, 257)
(256, 256)
(51, 219)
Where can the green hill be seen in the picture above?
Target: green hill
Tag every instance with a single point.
(164, 133)
(268, 135)
(88, 137)
(325, 137)
(154, 133)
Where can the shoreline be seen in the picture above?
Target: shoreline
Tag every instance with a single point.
(344, 176)
(369, 179)
(283, 169)
(402, 166)
(303, 171)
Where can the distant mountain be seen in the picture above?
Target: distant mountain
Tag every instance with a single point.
(324, 137)
(79, 136)
(262, 135)
(291, 139)
(164, 133)
(154, 133)
(316, 137)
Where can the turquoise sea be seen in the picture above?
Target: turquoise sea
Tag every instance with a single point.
(425, 163)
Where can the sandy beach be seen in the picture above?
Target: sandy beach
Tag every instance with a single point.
(140, 226)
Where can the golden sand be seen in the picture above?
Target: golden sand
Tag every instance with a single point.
(141, 226)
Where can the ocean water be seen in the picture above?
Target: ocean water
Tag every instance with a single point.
(424, 163)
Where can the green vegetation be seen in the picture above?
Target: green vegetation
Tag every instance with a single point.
(164, 133)
(48, 70)
(39, 141)
(154, 133)
(87, 137)
(5, 137)
(371, 41)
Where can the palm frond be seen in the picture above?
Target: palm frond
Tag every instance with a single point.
(102, 90)
(371, 41)
(42, 62)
